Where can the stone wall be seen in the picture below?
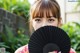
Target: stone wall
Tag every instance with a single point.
(13, 21)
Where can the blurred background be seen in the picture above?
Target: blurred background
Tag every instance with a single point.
(14, 25)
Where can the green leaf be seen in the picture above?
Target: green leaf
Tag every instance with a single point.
(9, 33)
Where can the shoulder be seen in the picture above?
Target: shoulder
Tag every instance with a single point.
(72, 51)
(23, 49)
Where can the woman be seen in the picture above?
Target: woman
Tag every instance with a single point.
(42, 13)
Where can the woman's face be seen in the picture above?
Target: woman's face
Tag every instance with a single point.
(45, 21)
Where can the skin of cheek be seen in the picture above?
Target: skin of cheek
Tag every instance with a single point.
(36, 25)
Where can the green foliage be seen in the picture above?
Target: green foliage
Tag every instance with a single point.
(77, 5)
(12, 42)
(19, 7)
(73, 30)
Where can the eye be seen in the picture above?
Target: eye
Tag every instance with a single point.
(51, 20)
(38, 20)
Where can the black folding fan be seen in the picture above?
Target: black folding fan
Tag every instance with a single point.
(49, 38)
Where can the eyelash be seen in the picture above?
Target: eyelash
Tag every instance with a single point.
(51, 20)
(37, 20)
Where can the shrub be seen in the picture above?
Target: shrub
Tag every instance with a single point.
(11, 42)
(73, 30)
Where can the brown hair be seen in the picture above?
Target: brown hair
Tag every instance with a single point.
(47, 6)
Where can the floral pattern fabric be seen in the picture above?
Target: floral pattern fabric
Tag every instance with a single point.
(24, 49)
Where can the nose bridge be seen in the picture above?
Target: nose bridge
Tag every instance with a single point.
(44, 22)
